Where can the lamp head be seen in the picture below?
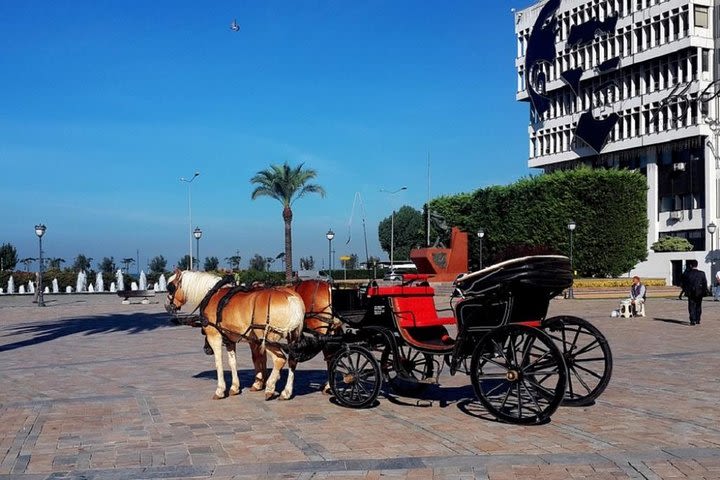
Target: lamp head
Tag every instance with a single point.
(40, 230)
(330, 234)
(480, 233)
(197, 233)
(711, 228)
(571, 225)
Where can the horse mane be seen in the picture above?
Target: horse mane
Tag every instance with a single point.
(197, 284)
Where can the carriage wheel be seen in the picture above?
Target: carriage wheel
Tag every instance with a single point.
(587, 356)
(355, 377)
(417, 366)
(518, 374)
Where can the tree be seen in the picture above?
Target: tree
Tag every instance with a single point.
(82, 263)
(211, 264)
(184, 263)
(286, 184)
(55, 263)
(158, 264)
(257, 263)
(127, 262)
(672, 244)
(234, 261)
(409, 232)
(307, 263)
(8, 257)
(352, 264)
(27, 262)
(107, 265)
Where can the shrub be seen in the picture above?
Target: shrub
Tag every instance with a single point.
(672, 244)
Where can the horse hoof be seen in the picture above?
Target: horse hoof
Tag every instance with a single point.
(284, 398)
(270, 395)
(256, 389)
(233, 392)
(218, 397)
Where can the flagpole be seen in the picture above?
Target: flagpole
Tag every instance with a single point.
(428, 201)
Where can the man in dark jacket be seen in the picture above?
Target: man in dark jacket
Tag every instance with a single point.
(694, 284)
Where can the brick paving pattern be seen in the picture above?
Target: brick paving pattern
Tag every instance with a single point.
(93, 389)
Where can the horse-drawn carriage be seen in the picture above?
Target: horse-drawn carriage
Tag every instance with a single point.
(522, 365)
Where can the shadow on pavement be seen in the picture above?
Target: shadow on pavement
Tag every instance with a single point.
(306, 381)
(671, 320)
(49, 331)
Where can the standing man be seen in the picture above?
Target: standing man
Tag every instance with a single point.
(717, 285)
(695, 286)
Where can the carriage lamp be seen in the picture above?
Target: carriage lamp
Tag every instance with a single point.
(40, 231)
(330, 235)
(480, 234)
(711, 230)
(571, 227)
(197, 233)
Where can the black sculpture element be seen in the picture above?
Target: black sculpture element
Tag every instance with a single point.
(594, 132)
(584, 33)
(608, 65)
(540, 48)
(572, 79)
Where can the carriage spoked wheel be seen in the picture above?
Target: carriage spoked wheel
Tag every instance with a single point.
(587, 356)
(416, 367)
(518, 374)
(355, 377)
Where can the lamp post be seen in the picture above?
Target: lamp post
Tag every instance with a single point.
(330, 235)
(571, 226)
(480, 234)
(711, 230)
(392, 227)
(197, 233)
(185, 180)
(40, 231)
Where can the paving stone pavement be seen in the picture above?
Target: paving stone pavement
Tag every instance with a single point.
(92, 389)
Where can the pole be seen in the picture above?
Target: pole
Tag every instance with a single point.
(197, 250)
(330, 258)
(392, 239)
(571, 293)
(183, 179)
(427, 240)
(40, 298)
(481, 253)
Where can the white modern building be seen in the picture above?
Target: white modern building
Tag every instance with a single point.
(631, 84)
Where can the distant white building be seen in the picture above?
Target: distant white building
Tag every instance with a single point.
(631, 84)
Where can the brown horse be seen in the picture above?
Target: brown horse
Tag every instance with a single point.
(263, 317)
(319, 320)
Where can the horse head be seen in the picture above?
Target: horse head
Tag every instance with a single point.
(176, 296)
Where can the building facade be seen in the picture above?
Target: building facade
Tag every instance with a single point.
(631, 84)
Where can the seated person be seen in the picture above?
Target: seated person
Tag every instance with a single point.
(637, 296)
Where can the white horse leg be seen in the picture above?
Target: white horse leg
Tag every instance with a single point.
(288, 390)
(259, 359)
(232, 362)
(215, 341)
(278, 360)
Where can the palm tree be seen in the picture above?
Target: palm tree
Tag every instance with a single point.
(286, 184)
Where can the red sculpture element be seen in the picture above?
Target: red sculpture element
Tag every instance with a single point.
(443, 264)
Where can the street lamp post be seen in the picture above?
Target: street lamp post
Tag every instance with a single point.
(571, 227)
(330, 235)
(711, 230)
(480, 234)
(40, 231)
(197, 233)
(392, 227)
(185, 180)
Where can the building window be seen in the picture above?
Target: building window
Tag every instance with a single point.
(701, 16)
(705, 60)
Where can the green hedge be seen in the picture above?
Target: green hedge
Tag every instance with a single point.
(608, 206)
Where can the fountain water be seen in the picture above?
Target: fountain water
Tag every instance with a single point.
(22, 289)
(133, 286)
(112, 287)
(162, 284)
(11, 285)
(31, 287)
(81, 284)
(91, 288)
(119, 280)
(55, 286)
(99, 283)
(68, 289)
(46, 290)
(143, 281)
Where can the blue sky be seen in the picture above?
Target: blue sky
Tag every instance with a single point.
(105, 105)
